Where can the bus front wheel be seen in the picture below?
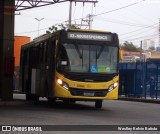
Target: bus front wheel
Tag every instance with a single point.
(98, 104)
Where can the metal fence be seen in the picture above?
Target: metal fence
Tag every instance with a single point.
(140, 79)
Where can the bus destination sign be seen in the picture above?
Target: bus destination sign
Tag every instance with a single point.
(89, 36)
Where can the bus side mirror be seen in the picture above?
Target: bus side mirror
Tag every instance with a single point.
(120, 55)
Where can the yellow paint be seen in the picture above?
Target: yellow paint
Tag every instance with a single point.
(60, 92)
(120, 55)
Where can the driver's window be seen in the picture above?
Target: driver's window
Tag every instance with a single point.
(62, 60)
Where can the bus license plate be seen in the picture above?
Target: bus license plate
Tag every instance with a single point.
(88, 94)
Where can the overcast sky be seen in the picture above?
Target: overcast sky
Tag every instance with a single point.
(133, 23)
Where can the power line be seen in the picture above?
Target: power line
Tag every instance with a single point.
(131, 37)
(114, 9)
(139, 29)
(138, 13)
(137, 34)
(120, 8)
(142, 37)
(30, 16)
(40, 29)
(101, 13)
(32, 31)
(123, 22)
(137, 40)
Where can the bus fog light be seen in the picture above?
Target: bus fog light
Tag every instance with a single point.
(111, 87)
(65, 86)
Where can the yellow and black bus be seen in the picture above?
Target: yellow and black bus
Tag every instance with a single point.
(71, 65)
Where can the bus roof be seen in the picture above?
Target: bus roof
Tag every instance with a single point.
(87, 30)
(47, 36)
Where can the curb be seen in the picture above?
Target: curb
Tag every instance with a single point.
(140, 100)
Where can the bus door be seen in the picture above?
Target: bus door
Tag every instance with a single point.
(42, 67)
(24, 70)
(34, 69)
(50, 68)
(46, 68)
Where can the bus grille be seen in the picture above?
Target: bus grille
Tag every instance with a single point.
(89, 77)
(87, 92)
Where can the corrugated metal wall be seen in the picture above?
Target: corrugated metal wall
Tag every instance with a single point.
(141, 79)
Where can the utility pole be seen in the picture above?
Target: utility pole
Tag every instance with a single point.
(141, 57)
(39, 23)
(70, 11)
(159, 31)
(70, 14)
(89, 21)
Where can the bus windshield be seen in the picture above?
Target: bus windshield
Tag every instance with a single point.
(88, 58)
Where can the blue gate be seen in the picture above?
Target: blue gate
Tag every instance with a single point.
(140, 79)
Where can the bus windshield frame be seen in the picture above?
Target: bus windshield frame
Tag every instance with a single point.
(88, 57)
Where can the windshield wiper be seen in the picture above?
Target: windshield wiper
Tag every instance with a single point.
(78, 51)
(100, 52)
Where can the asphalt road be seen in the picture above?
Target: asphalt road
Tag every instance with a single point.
(20, 112)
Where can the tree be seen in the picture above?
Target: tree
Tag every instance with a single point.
(55, 28)
(151, 48)
(128, 46)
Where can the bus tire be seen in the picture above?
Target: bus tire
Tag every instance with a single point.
(31, 97)
(27, 92)
(69, 101)
(73, 101)
(51, 101)
(98, 104)
(35, 98)
(28, 97)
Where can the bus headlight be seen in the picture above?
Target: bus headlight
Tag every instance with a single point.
(63, 84)
(111, 87)
(59, 81)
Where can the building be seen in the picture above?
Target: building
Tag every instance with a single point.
(158, 49)
(18, 42)
(155, 55)
(128, 56)
(148, 43)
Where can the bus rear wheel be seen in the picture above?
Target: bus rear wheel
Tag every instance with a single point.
(31, 97)
(98, 104)
(51, 101)
(69, 101)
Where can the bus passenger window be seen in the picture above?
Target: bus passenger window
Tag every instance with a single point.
(41, 52)
(34, 55)
(46, 50)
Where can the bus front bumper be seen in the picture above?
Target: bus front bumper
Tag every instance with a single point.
(82, 94)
